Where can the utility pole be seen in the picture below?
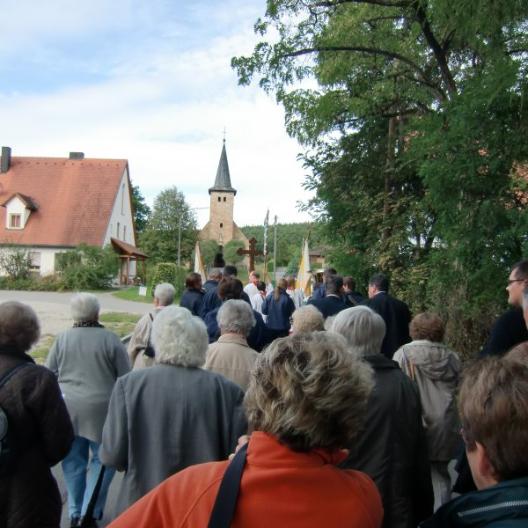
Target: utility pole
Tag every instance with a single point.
(275, 250)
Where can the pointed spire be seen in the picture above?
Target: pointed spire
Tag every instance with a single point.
(223, 179)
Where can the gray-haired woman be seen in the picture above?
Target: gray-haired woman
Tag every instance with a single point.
(231, 355)
(38, 425)
(87, 360)
(174, 414)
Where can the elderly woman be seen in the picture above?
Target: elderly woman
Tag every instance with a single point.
(306, 400)
(392, 448)
(231, 355)
(307, 319)
(38, 419)
(172, 415)
(87, 360)
(435, 368)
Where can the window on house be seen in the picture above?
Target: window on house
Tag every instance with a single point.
(219, 199)
(124, 233)
(123, 199)
(118, 229)
(34, 257)
(221, 224)
(224, 198)
(15, 221)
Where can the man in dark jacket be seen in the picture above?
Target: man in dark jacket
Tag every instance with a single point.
(493, 406)
(332, 303)
(510, 328)
(394, 312)
(392, 449)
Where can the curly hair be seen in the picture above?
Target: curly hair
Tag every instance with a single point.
(427, 325)
(309, 391)
(307, 319)
(19, 326)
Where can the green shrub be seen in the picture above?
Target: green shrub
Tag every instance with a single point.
(16, 262)
(171, 273)
(87, 267)
(230, 252)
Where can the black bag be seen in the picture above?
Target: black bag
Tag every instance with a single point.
(8, 443)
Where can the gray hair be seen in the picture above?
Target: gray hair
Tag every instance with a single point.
(307, 319)
(19, 326)
(363, 329)
(84, 307)
(215, 274)
(309, 391)
(235, 316)
(179, 337)
(164, 292)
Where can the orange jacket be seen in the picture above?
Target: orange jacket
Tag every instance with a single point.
(279, 488)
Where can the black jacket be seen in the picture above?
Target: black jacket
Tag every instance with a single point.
(192, 299)
(392, 447)
(397, 317)
(509, 330)
(329, 305)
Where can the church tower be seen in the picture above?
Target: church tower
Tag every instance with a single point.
(221, 226)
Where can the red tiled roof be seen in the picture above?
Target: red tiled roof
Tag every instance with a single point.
(74, 199)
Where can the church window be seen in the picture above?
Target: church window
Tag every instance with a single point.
(221, 224)
(15, 221)
(224, 198)
(219, 199)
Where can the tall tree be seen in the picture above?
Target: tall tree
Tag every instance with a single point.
(172, 220)
(140, 209)
(413, 131)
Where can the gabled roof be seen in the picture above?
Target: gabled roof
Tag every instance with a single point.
(75, 198)
(223, 179)
(26, 200)
(123, 248)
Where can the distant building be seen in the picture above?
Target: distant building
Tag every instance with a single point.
(221, 226)
(51, 205)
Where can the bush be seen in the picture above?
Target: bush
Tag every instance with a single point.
(16, 262)
(87, 267)
(171, 273)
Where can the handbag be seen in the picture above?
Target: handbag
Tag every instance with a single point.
(226, 499)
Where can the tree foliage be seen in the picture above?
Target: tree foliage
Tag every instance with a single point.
(170, 216)
(413, 117)
(231, 255)
(140, 209)
(209, 249)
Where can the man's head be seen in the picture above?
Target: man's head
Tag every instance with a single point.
(230, 271)
(193, 281)
(164, 294)
(215, 274)
(254, 277)
(378, 283)
(230, 289)
(334, 285)
(493, 406)
(517, 282)
(349, 284)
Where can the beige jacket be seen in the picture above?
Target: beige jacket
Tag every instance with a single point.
(232, 357)
(138, 341)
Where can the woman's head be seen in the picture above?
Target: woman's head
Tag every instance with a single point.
(179, 337)
(84, 308)
(19, 326)
(307, 319)
(428, 326)
(235, 317)
(309, 391)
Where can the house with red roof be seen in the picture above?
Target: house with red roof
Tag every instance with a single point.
(51, 205)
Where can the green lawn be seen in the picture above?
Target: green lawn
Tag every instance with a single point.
(132, 294)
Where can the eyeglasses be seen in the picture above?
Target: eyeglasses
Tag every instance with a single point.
(511, 281)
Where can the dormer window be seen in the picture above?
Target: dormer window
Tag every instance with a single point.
(15, 221)
(18, 209)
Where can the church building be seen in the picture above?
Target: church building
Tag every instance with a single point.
(221, 226)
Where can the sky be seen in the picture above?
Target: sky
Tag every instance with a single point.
(149, 81)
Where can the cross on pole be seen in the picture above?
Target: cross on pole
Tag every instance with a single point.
(252, 252)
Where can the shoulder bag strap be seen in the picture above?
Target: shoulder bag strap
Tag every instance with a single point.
(10, 373)
(226, 499)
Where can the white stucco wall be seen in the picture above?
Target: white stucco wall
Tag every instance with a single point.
(121, 215)
(17, 206)
(45, 255)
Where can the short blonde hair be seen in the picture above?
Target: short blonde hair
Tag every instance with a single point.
(307, 319)
(309, 391)
(179, 338)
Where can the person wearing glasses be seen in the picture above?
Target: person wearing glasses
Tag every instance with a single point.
(510, 328)
(493, 407)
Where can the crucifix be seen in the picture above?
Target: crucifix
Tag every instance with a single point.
(252, 252)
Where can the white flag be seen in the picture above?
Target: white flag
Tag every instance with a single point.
(198, 263)
(266, 224)
(304, 277)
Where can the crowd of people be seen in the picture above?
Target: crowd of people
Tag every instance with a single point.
(243, 407)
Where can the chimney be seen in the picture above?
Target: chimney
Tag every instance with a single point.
(5, 161)
(76, 155)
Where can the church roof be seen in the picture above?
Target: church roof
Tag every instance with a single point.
(223, 179)
(71, 199)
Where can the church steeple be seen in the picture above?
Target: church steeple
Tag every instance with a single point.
(223, 179)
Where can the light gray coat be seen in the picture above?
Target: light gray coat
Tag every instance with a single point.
(165, 418)
(87, 362)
